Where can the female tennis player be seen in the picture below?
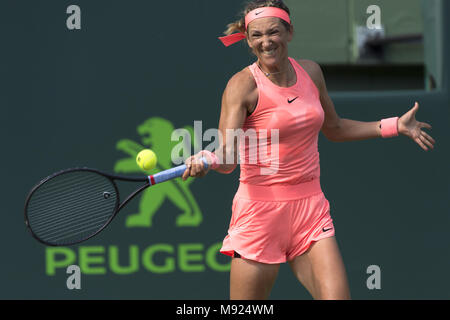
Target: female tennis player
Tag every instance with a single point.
(284, 216)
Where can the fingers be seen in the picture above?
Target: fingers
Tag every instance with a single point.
(186, 174)
(428, 137)
(427, 140)
(197, 169)
(426, 125)
(415, 108)
(421, 144)
(194, 168)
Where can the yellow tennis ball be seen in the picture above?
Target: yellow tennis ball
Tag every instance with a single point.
(146, 159)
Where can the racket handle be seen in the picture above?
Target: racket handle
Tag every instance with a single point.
(171, 173)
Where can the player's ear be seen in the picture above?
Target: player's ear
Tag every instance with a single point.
(291, 33)
(248, 40)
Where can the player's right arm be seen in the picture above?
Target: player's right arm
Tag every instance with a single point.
(239, 99)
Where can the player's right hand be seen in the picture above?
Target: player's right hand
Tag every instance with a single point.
(195, 167)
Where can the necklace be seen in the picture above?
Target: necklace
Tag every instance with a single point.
(268, 74)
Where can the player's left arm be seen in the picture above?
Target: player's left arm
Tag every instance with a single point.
(341, 130)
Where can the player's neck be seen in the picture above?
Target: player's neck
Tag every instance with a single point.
(282, 75)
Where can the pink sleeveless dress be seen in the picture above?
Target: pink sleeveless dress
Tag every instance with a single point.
(279, 208)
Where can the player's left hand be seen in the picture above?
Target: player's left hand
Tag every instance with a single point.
(410, 127)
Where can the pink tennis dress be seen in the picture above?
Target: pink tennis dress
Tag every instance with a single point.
(279, 208)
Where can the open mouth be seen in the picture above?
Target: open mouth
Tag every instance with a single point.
(269, 53)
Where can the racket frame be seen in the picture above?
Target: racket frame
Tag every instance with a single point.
(118, 205)
(165, 175)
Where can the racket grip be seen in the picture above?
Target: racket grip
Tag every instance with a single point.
(171, 173)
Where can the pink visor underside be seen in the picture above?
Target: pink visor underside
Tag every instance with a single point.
(259, 13)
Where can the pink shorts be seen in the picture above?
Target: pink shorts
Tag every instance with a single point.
(278, 223)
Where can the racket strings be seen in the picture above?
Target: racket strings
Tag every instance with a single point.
(73, 210)
(71, 207)
(74, 182)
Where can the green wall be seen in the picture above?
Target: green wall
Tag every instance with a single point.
(69, 97)
(326, 30)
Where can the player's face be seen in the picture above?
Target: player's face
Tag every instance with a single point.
(269, 40)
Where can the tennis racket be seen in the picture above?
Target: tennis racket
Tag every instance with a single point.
(73, 205)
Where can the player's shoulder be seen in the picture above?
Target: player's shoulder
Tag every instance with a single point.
(314, 71)
(241, 85)
(310, 65)
(243, 80)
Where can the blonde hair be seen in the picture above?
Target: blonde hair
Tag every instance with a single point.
(239, 25)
